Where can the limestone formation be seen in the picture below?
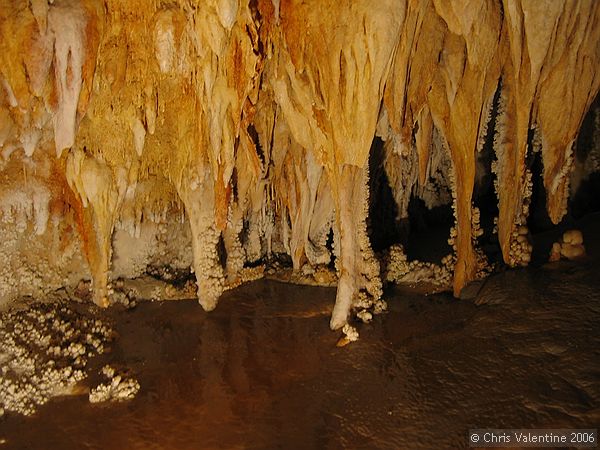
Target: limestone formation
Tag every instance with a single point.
(222, 134)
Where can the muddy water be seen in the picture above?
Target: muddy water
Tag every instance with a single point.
(263, 371)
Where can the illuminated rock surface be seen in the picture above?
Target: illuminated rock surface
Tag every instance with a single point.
(177, 149)
(242, 130)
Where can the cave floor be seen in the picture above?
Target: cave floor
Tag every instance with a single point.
(263, 370)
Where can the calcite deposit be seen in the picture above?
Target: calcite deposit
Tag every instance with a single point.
(570, 246)
(116, 388)
(44, 353)
(219, 135)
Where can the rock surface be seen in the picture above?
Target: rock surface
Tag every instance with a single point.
(134, 130)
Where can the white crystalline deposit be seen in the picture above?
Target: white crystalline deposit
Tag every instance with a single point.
(364, 315)
(367, 307)
(520, 247)
(43, 353)
(24, 205)
(116, 388)
(350, 332)
(399, 270)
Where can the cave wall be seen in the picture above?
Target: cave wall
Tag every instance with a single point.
(134, 131)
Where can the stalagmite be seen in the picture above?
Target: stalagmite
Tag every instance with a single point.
(235, 135)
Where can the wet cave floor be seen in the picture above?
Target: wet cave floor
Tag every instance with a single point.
(263, 370)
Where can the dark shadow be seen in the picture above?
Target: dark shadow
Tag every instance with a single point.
(484, 193)
(429, 230)
(382, 227)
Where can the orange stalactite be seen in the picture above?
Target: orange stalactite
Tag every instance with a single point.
(255, 120)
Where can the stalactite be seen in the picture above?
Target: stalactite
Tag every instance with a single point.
(518, 195)
(320, 225)
(468, 77)
(358, 267)
(101, 190)
(67, 23)
(569, 81)
(314, 88)
(199, 205)
(246, 127)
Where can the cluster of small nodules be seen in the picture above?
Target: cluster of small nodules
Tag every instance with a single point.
(320, 274)
(399, 270)
(117, 387)
(247, 274)
(483, 266)
(44, 351)
(520, 248)
(476, 230)
(350, 334)
(118, 294)
(443, 274)
(570, 247)
(452, 239)
(367, 306)
(396, 263)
